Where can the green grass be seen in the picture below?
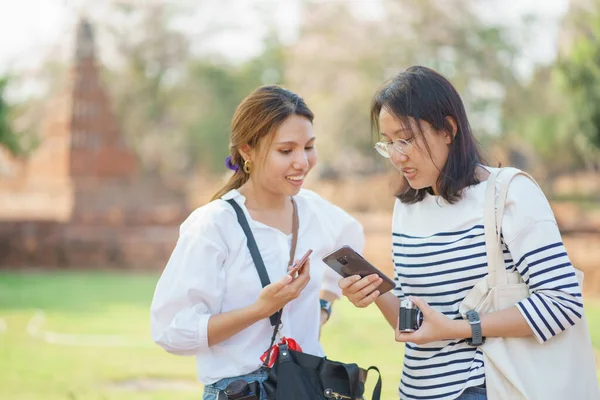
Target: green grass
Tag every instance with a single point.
(117, 304)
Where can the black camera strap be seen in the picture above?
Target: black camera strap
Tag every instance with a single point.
(259, 263)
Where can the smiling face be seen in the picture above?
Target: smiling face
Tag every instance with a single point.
(281, 166)
(426, 153)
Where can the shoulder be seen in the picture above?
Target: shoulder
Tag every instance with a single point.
(526, 206)
(212, 217)
(523, 191)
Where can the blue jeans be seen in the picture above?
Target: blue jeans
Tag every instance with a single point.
(211, 391)
(473, 393)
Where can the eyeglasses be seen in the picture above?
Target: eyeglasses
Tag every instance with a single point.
(387, 149)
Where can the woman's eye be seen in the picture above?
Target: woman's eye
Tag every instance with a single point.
(285, 151)
(309, 147)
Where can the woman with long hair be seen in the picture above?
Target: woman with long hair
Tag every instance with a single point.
(209, 301)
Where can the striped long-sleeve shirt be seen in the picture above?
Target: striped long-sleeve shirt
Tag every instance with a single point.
(439, 255)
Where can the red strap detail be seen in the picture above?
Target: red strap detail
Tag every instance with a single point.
(274, 350)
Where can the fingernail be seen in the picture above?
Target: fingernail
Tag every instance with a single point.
(356, 278)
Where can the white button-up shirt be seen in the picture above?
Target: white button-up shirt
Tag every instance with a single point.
(211, 272)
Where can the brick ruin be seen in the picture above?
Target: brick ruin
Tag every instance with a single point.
(80, 201)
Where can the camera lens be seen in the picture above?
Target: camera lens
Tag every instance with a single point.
(237, 389)
(342, 260)
(419, 318)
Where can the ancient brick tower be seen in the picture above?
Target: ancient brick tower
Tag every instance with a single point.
(79, 201)
(83, 125)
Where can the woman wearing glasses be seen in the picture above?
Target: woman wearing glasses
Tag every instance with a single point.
(439, 247)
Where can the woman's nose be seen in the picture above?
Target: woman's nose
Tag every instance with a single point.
(398, 159)
(301, 161)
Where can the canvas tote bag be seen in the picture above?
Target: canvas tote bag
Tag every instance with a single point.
(521, 368)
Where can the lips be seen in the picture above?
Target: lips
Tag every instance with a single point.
(296, 180)
(409, 173)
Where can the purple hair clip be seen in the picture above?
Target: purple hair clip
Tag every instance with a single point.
(229, 164)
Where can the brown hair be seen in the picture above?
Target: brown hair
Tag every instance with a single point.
(258, 116)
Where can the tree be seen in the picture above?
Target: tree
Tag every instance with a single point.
(175, 104)
(216, 89)
(147, 83)
(352, 56)
(8, 137)
(579, 70)
(537, 128)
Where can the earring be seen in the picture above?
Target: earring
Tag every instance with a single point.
(247, 166)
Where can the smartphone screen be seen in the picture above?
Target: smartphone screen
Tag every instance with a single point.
(298, 266)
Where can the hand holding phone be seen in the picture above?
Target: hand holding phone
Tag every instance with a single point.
(299, 264)
(347, 262)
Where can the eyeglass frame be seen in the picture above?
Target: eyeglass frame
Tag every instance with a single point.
(381, 147)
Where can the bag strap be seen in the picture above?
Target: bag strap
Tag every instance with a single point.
(255, 253)
(354, 373)
(377, 388)
(495, 201)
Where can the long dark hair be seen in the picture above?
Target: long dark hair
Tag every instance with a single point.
(257, 117)
(422, 94)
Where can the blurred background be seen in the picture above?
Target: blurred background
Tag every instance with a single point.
(114, 122)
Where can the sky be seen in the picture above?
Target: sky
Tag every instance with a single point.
(32, 30)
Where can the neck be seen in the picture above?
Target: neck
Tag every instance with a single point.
(258, 198)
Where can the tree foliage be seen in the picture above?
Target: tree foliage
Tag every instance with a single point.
(175, 103)
(580, 73)
(8, 137)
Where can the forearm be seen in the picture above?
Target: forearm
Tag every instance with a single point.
(389, 305)
(505, 323)
(223, 326)
(330, 297)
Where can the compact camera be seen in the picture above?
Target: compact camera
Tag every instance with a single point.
(410, 317)
(240, 390)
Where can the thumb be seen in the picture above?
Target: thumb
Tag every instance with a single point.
(422, 304)
(273, 288)
(283, 282)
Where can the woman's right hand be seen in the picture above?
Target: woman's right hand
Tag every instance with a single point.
(361, 292)
(276, 295)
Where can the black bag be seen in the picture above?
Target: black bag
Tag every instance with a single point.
(296, 375)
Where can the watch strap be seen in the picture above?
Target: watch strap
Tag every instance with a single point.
(477, 338)
(326, 306)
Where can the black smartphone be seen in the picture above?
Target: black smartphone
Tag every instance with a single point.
(347, 262)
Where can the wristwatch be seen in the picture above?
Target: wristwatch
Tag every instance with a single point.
(326, 306)
(477, 338)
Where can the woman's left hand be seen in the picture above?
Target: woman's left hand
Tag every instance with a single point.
(436, 326)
